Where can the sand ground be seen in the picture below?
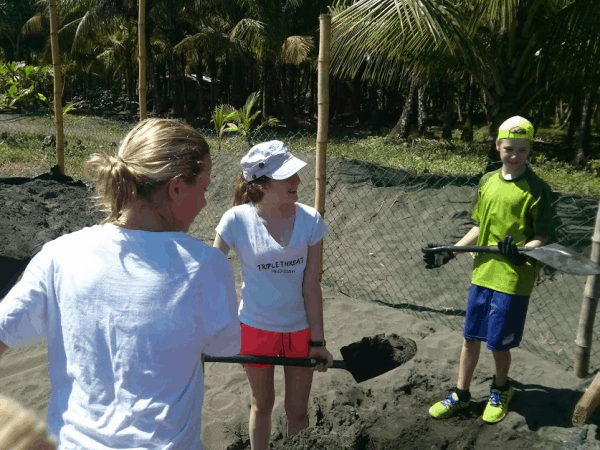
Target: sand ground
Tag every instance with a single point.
(387, 412)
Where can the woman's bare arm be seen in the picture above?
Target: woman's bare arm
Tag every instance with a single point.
(221, 244)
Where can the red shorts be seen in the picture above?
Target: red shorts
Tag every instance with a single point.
(256, 342)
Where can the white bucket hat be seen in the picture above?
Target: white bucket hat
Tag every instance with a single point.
(271, 159)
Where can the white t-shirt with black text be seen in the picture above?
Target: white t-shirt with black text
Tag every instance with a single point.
(271, 297)
(126, 314)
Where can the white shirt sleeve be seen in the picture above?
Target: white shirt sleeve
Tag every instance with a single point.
(319, 230)
(23, 312)
(222, 300)
(226, 228)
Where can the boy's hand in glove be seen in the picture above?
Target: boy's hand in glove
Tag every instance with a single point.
(509, 250)
(433, 260)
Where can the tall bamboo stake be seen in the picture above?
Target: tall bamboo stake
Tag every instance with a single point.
(142, 56)
(323, 117)
(58, 116)
(591, 294)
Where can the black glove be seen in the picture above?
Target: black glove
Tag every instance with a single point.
(433, 260)
(509, 250)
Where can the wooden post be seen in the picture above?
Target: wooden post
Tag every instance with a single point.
(58, 115)
(323, 117)
(142, 57)
(591, 294)
(587, 404)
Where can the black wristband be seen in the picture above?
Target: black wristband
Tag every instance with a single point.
(316, 343)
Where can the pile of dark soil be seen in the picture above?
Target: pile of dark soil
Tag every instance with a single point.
(35, 211)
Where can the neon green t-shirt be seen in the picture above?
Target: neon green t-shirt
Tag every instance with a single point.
(522, 208)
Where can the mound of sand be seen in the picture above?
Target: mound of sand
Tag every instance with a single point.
(385, 412)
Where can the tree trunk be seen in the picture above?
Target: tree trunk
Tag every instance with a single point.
(199, 109)
(423, 114)
(583, 142)
(165, 87)
(288, 113)
(143, 56)
(178, 104)
(448, 113)
(129, 83)
(402, 128)
(156, 97)
(264, 84)
(467, 130)
(312, 106)
(374, 109)
(214, 92)
(575, 119)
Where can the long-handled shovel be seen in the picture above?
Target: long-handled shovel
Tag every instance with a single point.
(370, 357)
(554, 255)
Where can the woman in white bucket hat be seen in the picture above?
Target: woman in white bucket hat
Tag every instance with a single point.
(278, 242)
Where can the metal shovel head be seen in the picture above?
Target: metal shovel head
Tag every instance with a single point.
(370, 357)
(374, 356)
(565, 260)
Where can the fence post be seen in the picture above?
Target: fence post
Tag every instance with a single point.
(591, 294)
(58, 115)
(323, 118)
(142, 57)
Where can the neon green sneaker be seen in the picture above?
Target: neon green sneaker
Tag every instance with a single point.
(497, 405)
(448, 406)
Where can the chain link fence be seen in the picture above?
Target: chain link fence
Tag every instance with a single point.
(379, 218)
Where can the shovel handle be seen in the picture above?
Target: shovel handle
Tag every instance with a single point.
(274, 360)
(469, 248)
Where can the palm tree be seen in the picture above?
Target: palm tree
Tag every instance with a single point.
(13, 16)
(500, 44)
(280, 35)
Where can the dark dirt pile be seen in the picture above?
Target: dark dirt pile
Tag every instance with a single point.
(35, 211)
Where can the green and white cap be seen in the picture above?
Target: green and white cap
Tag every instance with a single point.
(516, 127)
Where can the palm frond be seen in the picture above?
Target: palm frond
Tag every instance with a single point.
(295, 49)
(251, 33)
(34, 25)
(372, 31)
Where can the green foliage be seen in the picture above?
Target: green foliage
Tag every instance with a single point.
(243, 120)
(222, 116)
(23, 86)
(419, 156)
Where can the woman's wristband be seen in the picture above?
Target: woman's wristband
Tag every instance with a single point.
(316, 343)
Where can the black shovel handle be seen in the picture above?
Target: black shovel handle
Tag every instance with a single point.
(275, 360)
(468, 248)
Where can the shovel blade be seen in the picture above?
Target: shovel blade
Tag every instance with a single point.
(374, 356)
(565, 260)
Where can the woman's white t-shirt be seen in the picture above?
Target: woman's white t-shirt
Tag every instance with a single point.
(127, 314)
(272, 275)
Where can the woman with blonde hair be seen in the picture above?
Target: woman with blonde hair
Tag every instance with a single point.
(129, 306)
(278, 242)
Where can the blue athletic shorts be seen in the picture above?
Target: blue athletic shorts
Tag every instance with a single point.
(495, 318)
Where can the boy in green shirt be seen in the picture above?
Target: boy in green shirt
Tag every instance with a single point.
(512, 208)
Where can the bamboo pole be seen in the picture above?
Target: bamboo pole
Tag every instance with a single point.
(58, 115)
(323, 118)
(587, 403)
(142, 57)
(591, 294)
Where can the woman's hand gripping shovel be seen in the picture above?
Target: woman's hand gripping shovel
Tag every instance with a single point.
(371, 357)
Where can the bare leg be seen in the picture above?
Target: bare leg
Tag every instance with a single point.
(502, 360)
(298, 381)
(262, 386)
(469, 356)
